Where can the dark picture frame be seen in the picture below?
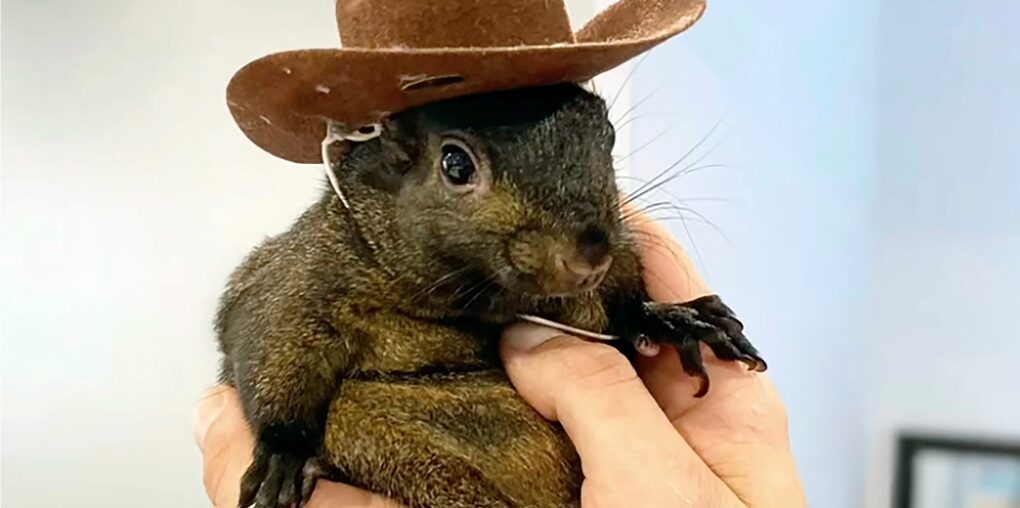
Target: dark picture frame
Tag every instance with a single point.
(911, 446)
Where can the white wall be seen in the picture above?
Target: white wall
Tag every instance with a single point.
(945, 337)
(794, 82)
(128, 195)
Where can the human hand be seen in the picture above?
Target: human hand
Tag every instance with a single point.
(226, 442)
(643, 439)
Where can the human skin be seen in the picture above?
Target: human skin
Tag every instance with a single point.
(641, 435)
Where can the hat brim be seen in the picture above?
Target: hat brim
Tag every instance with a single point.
(283, 101)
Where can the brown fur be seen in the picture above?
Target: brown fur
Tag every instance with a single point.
(364, 340)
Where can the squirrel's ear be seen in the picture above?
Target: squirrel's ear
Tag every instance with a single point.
(397, 150)
(400, 141)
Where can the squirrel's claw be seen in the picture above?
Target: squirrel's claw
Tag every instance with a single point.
(311, 473)
(704, 320)
(278, 480)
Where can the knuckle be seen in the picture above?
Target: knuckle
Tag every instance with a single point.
(214, 471)
(226, 455)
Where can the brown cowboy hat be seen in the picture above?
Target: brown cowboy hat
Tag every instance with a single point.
(398, 54)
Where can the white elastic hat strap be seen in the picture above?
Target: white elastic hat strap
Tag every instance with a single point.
(336, 132)
(566, 328)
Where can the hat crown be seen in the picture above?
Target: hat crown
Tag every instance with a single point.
(404, 24)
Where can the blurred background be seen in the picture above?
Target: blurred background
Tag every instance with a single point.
(860, 208)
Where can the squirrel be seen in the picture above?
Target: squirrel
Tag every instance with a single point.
(363, 340)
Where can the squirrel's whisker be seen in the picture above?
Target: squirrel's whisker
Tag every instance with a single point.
(633, 107)
(679, 161)
(646, 144)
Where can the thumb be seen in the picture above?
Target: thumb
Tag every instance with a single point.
(551, 369)
(614, 423)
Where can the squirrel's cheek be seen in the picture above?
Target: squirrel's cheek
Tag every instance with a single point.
(523, 255)
(540, 256)
(531, 252)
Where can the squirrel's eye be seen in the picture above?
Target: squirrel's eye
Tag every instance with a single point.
(458, 166)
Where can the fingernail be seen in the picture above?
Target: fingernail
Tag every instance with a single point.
(527, 336)
(208, 409)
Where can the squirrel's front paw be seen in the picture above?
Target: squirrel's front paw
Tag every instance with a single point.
(686, 325)
(279, 480)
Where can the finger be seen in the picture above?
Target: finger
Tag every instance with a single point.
(669, 274)
(338, 495)
(226, 443)
(206, 411)
(625, 442)
(738, 399)
(738, 429)
(222, 432)
(670, 277)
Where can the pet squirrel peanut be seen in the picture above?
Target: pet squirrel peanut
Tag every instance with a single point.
(363, 339)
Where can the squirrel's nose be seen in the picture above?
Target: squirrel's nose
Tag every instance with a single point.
(580, 273)
(593, 245)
